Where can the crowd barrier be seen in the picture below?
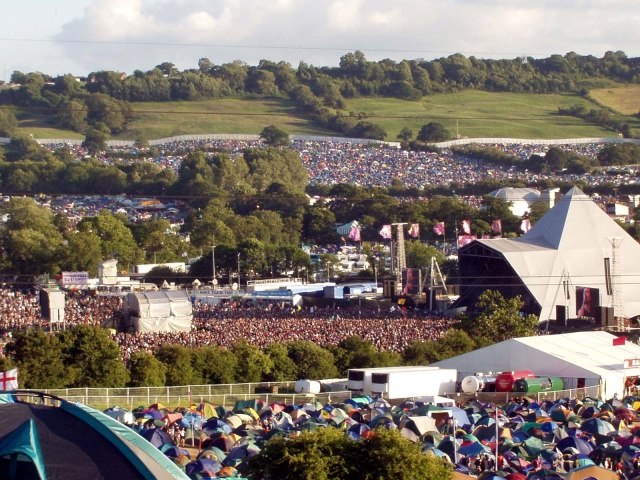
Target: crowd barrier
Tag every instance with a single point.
(225, 395)
(228, 394)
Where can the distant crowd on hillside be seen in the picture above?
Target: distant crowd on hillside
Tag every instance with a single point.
(368, 165)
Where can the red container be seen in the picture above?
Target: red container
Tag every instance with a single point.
(505, 380)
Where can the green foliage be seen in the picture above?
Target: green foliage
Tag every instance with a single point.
(354, 352)
(30, 240)
(433, 132)
(319, 455)
(386, 454)
(419, 254)
(253, 364)
(284, 368)
(146, 371)
(454, 342)
(495, 319)
(623, 154)
(92, 358)
(178, 363)
(275, 137)
(312, 361)
(215, 365)
(8, 123)
(38, 356)
(95, 141)
(328, 454)
(116, 238)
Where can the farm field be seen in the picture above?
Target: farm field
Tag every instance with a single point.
(624, 100)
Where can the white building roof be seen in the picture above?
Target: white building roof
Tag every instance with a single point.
(566, 248)
(589, 355)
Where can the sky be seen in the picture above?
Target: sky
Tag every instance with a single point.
(84, 36)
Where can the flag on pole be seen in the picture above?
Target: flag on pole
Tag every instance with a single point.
(466, 227)
(466, 239)
(525, 226)
(438, 228)
(9, 380)
(354, 233)
(385, 232)
(496, 226)
(414, 230)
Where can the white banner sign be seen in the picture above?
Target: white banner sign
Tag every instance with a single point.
(75, 278)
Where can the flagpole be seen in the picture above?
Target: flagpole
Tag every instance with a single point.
(497, 441)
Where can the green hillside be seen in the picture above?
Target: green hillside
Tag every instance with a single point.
(483, 114)
(469, 113)
(625, 99)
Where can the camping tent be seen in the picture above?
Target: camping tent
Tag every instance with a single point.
(163, 311)
(74, 441)
(573, 247)
(590, 356)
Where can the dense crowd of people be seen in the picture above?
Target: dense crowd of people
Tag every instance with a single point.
(342, 161)
(226, 323)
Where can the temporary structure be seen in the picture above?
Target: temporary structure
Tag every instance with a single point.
(163, 311)
(575, 253)
(74, 441)
(588, 359)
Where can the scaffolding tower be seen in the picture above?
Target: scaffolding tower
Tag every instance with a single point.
(400, 255)
(617, 302)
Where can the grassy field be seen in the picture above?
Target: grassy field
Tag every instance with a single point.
(482, 114)
(624, 100)
(159, 120)
(468, 114)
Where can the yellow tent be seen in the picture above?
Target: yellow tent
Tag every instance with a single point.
(591, 471)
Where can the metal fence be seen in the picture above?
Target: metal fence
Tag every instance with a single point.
(228, 394)
(182, 396)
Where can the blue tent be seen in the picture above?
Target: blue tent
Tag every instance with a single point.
(21, 448)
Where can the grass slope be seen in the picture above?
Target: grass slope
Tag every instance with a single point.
(469, 113)
(482, 114)
(624, 100)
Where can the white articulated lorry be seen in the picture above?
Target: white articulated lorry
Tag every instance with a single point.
(402, 382)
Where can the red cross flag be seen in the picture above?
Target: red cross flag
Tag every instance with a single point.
(9, 380)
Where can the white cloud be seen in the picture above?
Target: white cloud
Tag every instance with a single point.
(147, 32)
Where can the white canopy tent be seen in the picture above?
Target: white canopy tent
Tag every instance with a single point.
(566, 251)
(162, 311)
(590, 356)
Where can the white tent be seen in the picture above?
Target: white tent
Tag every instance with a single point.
(162, 311)
(590, 356)
(521, 199)
(567, 250)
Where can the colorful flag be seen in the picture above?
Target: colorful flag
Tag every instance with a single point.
(466, 227)
(354, 233)
(385, 232)
(525, 226)
(414, 230)
(465, 240)
(9, 380)
(438, 228)
(619, 341)
(496, 226)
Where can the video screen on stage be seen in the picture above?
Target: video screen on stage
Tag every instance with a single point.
(587, 300)
(411, 281)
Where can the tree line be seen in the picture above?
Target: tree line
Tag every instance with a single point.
(101, 101)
